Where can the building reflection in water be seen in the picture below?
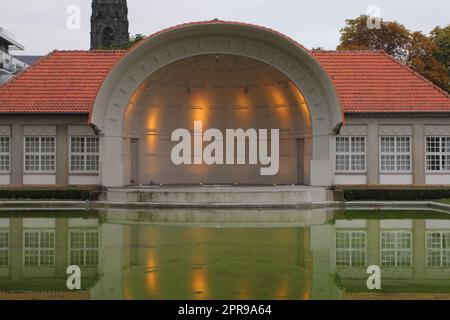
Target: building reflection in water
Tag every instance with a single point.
(35, 253)
(259, 255)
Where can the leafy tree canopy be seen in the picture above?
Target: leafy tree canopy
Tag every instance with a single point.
(127, 45)
(441, 37)
(133, 40)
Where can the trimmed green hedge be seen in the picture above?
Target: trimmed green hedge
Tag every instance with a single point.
(49, 194)
(395, 194)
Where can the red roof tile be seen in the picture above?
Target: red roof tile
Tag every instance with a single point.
(374, 82)
(62, 82)
(366, 82)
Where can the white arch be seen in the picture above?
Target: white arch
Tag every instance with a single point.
(216, 37)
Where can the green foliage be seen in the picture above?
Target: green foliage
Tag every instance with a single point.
(82, 194)
(132, 41)
(127, 45)
(395, 194)
(441, 37)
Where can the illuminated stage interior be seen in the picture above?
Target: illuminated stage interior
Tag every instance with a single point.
(224, 92)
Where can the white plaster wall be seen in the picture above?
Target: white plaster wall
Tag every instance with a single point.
(437, 224)
(351, 224)
(396, 179)
(4, 223)
(437, 179)
(356, 179)
(5, 180)
(396, 224)
(84, 180)
(83, 223)
(39, 179)
(36, 223)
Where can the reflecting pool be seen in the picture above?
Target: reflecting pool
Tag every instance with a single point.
(224, 254)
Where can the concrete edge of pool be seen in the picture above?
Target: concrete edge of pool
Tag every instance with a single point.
(89, 205)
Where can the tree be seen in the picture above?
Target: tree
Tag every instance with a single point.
(127, 45)
(133, 40)
(441, 37)
(422, 52)
(426, 55)
(393, 37)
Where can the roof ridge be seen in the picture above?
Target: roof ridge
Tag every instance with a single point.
(97, 51)
(368, 51)
(414, 72)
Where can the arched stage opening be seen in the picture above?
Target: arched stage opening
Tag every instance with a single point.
(224, 76)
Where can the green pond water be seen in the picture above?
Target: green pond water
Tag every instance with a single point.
(224, 254)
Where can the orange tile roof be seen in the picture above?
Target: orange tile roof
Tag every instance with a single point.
(366, 82)
(374, 82)
(62, 82)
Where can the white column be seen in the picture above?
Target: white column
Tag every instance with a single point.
(322, 170)
(111, 161)
(322, 247)
(110, 286)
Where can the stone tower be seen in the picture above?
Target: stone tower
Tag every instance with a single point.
(109, 24)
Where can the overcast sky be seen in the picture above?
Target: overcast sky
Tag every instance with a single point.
(41, 25)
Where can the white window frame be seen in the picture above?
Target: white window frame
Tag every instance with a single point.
(84, 249)
(396, 250)
(40, 249)
(396, 154)
(352, 250)
(84, 154)
(441, 250)
(5, 249)
(440, 154)
(40, 154)
(6, 154)
(351, 153)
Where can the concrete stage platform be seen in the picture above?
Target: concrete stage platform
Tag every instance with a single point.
(221, 196)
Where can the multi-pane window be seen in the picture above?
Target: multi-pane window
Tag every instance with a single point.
(350, 154)
(39, 248)
(395, 154)
(84, 154)
(351, 248)
(438, 154)
(83, 247)
(4, 154)
(396, 249)
(438, 249)
(4, 248)
(40, 154)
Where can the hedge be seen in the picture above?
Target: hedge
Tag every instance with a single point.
(49, 194)
(395, 194)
